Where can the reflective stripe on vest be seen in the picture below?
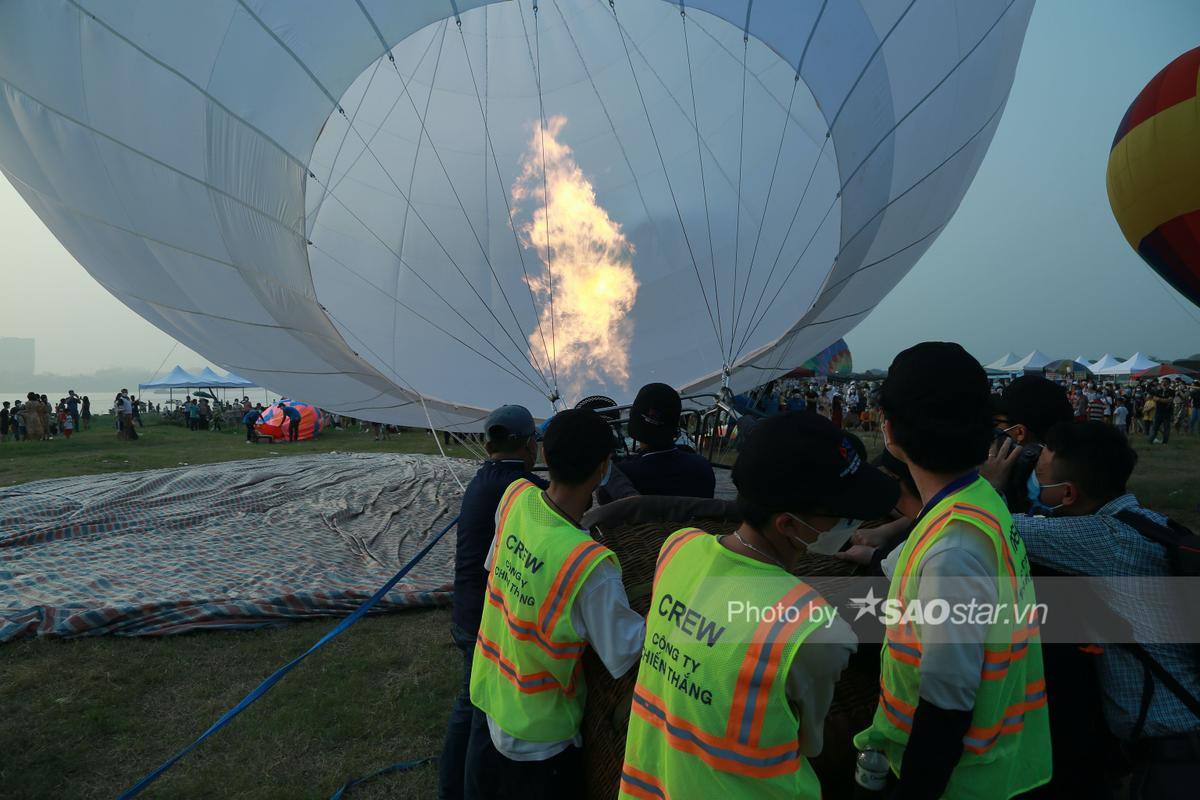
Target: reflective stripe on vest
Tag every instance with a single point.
(641, 785)
(527, 672)
(758, 672)
(530, 684)
(706, 704)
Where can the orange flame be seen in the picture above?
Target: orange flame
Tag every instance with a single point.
(588, 288)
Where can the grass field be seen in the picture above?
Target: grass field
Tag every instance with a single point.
(86, 718)
(163, 445)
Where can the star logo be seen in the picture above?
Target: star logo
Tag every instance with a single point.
(866, 605)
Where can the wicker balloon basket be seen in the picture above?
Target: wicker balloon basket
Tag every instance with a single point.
(635, 529)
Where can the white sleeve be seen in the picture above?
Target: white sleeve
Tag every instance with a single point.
(959, 570)
(814, 673)
(601, 615)
(888, 564)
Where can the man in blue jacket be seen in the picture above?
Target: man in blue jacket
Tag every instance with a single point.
(293, 418)
(510, 439)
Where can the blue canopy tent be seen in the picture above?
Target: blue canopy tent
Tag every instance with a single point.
(179, 378)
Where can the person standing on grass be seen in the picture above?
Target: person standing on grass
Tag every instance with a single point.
(5, 421)
(32, 415)
(45, 411)
(86, 413)
(18, 414)
(193, 414)
(1121, 418)
(1164, 407)
(73, 407)
(293, 419)
(250, 419)
(510, 440)
(125, 411)
(552, 592)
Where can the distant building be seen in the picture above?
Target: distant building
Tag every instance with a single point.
(16, 356)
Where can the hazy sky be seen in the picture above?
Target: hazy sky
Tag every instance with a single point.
(1033, 258)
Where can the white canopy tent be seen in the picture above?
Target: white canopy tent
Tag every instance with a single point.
(1104, 362)
(1135, 363)
(348, 201)
(1083, 361)
(1032, 362)
(1001, 363)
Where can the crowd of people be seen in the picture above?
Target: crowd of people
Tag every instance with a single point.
(851, 405)
(1153, 407)
(36, 418)
(979, 488)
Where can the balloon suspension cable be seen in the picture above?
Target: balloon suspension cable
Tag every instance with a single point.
(438, 442)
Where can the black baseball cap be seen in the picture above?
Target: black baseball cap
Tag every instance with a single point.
(654, 417)
(801, 461)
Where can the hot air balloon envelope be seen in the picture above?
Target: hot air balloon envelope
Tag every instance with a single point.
(1154, 174)
(414, 212)
(274, 422)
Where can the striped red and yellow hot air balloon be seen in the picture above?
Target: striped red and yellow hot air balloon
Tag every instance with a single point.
(1154, 174)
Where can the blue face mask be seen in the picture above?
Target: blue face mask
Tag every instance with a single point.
(1034, 488)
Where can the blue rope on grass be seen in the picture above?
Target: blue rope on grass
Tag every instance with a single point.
(403, 766)
(275, 676)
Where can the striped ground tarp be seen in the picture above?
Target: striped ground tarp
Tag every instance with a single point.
(234, 545)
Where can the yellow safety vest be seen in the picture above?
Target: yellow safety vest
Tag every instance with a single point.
(710, 713)
(1006, 750)
(526, 672)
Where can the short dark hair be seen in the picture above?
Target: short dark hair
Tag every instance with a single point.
(753, 514)
(1093, 455)
(504, 443)
(938, 407)
(1036, 403)
(575, 443)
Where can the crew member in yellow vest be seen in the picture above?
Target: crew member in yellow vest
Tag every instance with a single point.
(962, 710)
(741, 657)
(552, 592)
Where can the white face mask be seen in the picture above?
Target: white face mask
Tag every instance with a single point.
(830, 541)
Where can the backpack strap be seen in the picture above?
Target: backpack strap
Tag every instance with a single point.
(1167, 679)
(1167, 535)
(1175, 538)
(1183, 546)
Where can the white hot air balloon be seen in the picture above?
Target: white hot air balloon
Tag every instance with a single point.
(391, 209)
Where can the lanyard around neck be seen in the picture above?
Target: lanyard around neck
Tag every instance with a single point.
(950, 488)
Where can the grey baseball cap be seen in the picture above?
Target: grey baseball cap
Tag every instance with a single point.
(509, 422)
